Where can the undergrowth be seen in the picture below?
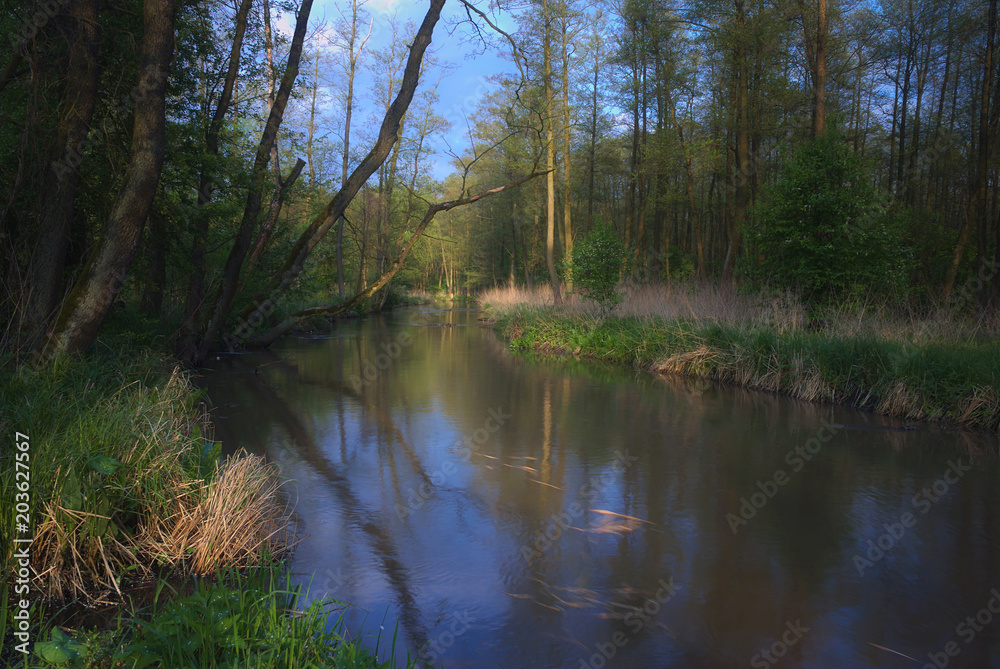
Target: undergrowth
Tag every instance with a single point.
(232, 619)
(931, 378)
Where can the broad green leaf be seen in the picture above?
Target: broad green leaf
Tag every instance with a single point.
(72, 494)
(104, 464)
(210, 454)
(52, 652)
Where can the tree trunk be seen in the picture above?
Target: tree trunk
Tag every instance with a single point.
(312, 124)
(550, 193)
(87, 305)
(277, 202)
(196, 280)
(314, 233)
(743, 167)
(819, 115)
(593, 149)
(268, 338)
(234, 263)
(567, 185)
(58, 194)
(978, 197)
(156, 280)
(352, 66)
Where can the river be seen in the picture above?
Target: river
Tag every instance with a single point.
(505, 510)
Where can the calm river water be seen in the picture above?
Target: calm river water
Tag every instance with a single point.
(501, 510)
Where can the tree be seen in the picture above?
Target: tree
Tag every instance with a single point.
(597, 265)
(820, 230)
(550, 152)
(85, 308)
(56, 203)
(348, 35)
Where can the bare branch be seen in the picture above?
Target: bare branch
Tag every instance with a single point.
(269, 337)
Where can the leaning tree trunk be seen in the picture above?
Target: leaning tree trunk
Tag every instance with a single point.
(85, 308)
(196, 280)
(271, 335)
(238, 253)
(277, 202)
(321, 224)
(59, 190)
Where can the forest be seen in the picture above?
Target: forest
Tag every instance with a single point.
(189, 166)
(794, 196)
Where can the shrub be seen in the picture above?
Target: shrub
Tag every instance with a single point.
(821, 228)
(598, 259)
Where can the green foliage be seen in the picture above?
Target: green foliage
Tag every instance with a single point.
(243, 621)
(820, 228)
(233, 620)
(61, 651)
(681, 264)
(110, 435)
(598, 259)
(953, 380)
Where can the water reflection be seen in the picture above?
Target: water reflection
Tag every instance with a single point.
(519, 511)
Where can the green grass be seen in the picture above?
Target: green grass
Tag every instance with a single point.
(233, 619)
(121, 457)
(113, 437)
(954, 381)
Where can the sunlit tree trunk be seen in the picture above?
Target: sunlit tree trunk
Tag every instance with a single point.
(550, 184)
(311, 130)
(567, 136)
(352, 69)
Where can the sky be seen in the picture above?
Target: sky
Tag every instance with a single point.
(459, 92)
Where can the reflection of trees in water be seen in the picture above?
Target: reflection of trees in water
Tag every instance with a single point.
(369, 521)
(702, 447)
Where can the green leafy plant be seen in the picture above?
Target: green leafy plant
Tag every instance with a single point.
(598, 260)
(821, 229)
(244, 621)
(61, 651)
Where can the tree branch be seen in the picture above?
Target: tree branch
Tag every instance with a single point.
(284, 326)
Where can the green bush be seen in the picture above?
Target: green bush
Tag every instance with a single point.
(821, 228)
(598, 259)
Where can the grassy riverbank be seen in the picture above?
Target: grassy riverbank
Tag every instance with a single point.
(125, 487)
(933, 367)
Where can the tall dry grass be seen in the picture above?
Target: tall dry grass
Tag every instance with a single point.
(124, 480)
(232, 520)
(933, 364)
(871, 316)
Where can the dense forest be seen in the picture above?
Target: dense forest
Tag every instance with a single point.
(197, 163)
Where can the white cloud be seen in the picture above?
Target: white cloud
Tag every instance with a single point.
(384, 6)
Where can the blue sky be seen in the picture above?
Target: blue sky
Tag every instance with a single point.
(459, 92)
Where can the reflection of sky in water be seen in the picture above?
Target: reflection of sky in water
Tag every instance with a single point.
(408, 526)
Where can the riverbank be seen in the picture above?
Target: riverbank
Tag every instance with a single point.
(934, 368)
(116, 481)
